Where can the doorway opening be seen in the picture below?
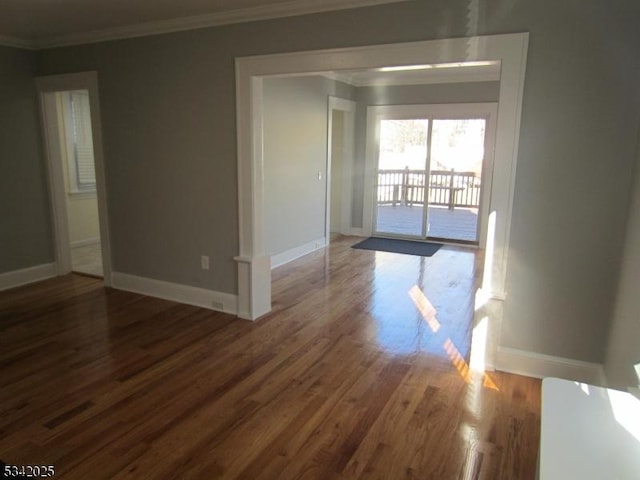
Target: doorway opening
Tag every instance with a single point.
(340, 152)
(72, 140)
(78, 164)
(254, 264)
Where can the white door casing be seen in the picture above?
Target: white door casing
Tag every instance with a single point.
(47, 86)
(254, 273)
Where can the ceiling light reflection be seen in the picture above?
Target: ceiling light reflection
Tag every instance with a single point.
(405, 68)
(481, 63)
(427, 66)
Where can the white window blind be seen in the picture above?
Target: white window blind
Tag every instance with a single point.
(82, 164)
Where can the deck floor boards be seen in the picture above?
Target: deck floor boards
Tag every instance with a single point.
(457, 224)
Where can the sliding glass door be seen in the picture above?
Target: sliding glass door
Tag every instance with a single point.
(454, 178)
(428, 175)
(401, 171)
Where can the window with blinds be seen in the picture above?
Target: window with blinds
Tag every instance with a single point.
(82, 173)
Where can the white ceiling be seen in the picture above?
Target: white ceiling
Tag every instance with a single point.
(46, 23)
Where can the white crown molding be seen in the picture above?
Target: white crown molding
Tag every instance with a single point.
(288, 8)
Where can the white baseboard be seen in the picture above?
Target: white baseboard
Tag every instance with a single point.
(537, 365)
(297, 252)
(357, 232)
(199, 297)
(27, 275)
(85, 242)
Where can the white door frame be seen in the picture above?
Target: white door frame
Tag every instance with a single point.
(348, 107)
(488, 111)
(254, 272)
(46, 86)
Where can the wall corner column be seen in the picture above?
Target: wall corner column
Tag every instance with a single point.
(254, 286)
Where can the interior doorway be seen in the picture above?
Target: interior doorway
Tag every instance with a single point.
(431, 169)
(78, 165)
(254, 265)
(73, 147)
(340, 153)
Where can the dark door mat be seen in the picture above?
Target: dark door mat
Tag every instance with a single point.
(394, 245)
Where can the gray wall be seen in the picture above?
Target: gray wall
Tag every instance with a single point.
(169, 137)
(623, 350)
(577, 150)
(25, 220)
(406, 95)
(295, 150)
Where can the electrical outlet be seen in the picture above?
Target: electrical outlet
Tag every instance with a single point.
(204, 262)
(217, 305)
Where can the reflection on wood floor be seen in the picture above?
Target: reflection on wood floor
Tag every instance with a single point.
(352, 375)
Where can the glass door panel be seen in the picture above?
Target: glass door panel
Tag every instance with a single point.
(455, 172)
(401, 174)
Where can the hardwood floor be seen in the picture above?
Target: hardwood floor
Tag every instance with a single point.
(359, 372)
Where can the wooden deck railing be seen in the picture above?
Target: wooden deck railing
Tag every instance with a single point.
(448, 188)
